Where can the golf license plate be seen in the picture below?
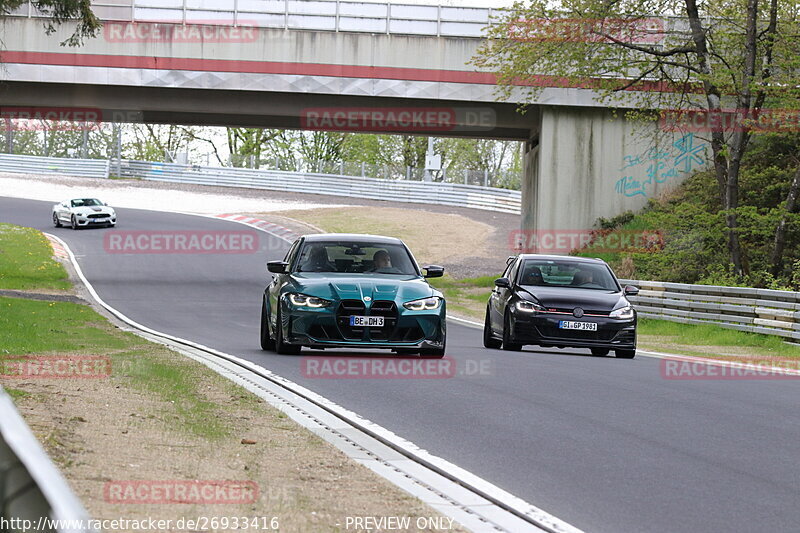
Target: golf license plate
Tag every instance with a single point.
(366, 321)
(583, 326)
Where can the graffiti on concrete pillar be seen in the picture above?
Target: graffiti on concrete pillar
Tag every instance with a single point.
(641, 171)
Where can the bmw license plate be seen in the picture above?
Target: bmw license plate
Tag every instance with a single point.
(583, 326)
(366, 321)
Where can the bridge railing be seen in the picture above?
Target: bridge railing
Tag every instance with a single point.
(320, 15)
(765, 311)
(31, 487)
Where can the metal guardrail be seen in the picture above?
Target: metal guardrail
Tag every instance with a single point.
(453, 194)
(31, 487)
(321, 15)
(473, 196)
(30, 164)
(765, 311)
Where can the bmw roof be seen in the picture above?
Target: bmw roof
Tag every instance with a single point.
(352, 237)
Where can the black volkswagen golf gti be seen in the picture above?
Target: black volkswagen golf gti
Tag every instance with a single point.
(560, 301)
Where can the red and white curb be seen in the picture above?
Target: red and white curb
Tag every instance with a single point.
(59, 251)
(272, 228)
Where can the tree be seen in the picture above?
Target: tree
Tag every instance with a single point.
(59, 12)
(660, 54)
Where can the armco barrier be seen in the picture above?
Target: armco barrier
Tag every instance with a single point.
(746, 309)
(31, 164)
(31, 487)
(453, 194)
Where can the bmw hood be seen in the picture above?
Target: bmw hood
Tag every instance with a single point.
(569, 298)
(365, 288)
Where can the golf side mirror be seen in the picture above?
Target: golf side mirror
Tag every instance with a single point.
(502, 282)
(631, 290)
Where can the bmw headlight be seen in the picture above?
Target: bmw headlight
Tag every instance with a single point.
(529, 307)
(424, 304)
(623, 312)
(303, 300)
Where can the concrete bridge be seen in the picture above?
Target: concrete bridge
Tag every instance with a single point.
(327, 64)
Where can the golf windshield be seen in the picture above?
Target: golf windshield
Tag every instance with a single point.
(356, 257)
(567, 274)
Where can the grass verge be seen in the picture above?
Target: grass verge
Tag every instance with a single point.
(468, 297)
(434, 237)
(160, 416)
(26, 261)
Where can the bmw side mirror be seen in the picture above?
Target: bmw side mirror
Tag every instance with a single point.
(631, 290)
(433, 271)
(277, 267)
(502, 282)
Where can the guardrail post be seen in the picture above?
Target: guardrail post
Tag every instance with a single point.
(485, 177)
(466, 177)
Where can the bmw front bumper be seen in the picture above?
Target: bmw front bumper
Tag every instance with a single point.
(329, 327)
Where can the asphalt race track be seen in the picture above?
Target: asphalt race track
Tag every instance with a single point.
(607, 445)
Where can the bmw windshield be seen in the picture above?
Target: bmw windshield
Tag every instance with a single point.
(355, 257)
(567, 274)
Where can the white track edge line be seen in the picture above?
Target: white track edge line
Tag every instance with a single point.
(467, 479)
(677, 357)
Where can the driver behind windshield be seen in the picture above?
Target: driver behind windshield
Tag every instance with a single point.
(317, 261)
(382, 262)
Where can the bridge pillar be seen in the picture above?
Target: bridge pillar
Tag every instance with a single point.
(588, 163)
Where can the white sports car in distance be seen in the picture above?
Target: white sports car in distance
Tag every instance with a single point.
(84, 212)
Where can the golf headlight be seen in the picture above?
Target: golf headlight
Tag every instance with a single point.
(302, 300)
(424, 304)
(622, 312)
(529, 307)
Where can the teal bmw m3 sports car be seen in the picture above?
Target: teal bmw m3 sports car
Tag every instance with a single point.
(352, 291)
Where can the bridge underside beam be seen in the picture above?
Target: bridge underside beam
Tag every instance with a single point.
(261, 109)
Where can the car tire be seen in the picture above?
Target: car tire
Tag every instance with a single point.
(600, 351)
(56, 221)
(266, 340)
(508, 343)
(488, 340)
(625, 354)
(280, 346)
(74, 222)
